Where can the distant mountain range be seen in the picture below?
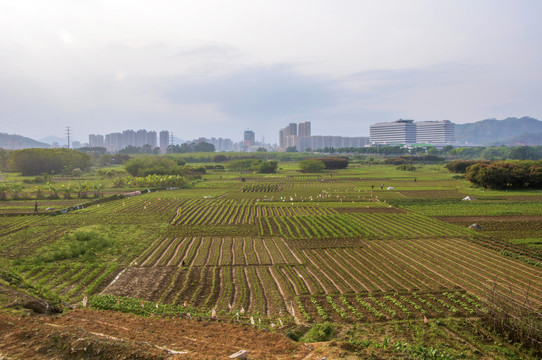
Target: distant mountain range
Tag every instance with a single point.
(510, 132)
(15, 142)
(54, 139)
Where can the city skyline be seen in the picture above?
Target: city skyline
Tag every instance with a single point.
(259, 65)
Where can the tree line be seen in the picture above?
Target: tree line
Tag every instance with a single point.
(464, 152)
(32, 162)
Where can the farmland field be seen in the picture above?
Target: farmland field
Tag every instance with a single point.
(300, 248)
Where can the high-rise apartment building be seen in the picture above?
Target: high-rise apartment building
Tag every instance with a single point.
(299, 135)
(304, 129)
(164, 141)
(117, 141)
(249, 138)
(95, 140)
(435, 132)
(287, 135)
(397, 132)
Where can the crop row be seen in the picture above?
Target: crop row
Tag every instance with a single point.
(262, 187)
(9, 224)
(197, 214)
(283, 290)
(384, 265)
(354, 225)
(207, 251)
(70, 280)
(382, 307)
(268, 290)
(26, 240)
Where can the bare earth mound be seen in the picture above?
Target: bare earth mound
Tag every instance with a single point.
(109, 335)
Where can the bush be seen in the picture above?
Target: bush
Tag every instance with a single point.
(297, 332)
(243, 164)
(220, 158)
(268, 167)
(459, 166)
(406, 167)
(311, 166)
(156, 165)
(333, 163)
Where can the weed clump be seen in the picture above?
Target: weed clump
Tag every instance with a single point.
(319, 332)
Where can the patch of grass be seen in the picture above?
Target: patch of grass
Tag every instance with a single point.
(85, 244)
(320, 332)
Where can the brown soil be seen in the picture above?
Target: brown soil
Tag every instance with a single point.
(86, 334)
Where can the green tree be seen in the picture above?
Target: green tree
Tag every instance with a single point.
(268, 167)
(523, 153)
(37, 161)
(311, 166)
(220, 158)
(243, 164)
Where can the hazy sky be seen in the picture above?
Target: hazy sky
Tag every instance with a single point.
(217, 68)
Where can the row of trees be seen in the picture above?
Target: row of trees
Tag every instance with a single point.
(476, 152)
(160, 165)
(319, 164)
(145, 149)
(193, 147)
(32, 162)
(260, 166)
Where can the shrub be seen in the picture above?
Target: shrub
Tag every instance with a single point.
(144, 166)
(459, 166)
(311, 166)
(268, 167)
(332, 163)
(243, 164)
(406, 167)
(220, 158)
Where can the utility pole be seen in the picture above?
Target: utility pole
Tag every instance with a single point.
(171, 142)
(68, 134)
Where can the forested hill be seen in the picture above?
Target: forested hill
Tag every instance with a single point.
(16, 142)
(510, 131)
